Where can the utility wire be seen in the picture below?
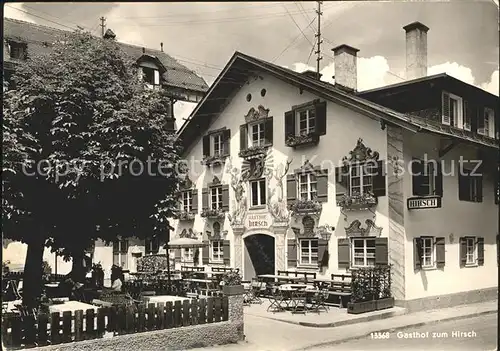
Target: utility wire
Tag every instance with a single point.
(45, 19)
(291, 43)
(48, 14)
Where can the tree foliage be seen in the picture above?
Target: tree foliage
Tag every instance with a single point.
(77, 126)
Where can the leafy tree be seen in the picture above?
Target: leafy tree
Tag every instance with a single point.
(78, 125)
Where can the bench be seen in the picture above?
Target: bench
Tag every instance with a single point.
(225, 269)
(341, 287)
(307, 275)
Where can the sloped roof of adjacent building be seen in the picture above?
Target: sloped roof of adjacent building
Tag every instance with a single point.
(241, 66)
(40, 38)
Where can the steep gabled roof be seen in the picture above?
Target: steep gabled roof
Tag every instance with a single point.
(241, 66)
(40, 38)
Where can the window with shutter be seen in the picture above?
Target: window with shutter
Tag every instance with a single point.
(258, 192)
(470, 185)
(427, 178)
(308, 251)
(305, 123)
(343, 253)
(216, 251)
(216, 146)
(363, 252)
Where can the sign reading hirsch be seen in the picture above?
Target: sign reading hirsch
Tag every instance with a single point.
(415, 203)
(255, 221)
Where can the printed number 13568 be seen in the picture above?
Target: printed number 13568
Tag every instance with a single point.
(379, 335)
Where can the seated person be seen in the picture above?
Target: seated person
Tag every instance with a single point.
(116, 283)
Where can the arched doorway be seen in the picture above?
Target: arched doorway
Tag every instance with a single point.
(259, 256)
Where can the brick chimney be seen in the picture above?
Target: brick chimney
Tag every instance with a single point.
(346, 67)
(416, 50)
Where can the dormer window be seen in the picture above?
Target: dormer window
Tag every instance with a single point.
(17, 50)
(150, 76)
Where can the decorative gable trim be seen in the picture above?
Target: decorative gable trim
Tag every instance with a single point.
(361, 153)
(260, 113)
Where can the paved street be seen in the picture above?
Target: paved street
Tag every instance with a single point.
(484, 327)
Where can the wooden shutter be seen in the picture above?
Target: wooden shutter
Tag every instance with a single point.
(322, 185)
(204, 199)
(225, 198)
(194, 200)
(289, 124)
(440, 252)
(291, 188)
(479, 184)
(116, 246)
(156, 77)
(226, 252)
(320, 117)
(292, 253)
(446, 109)
(467, 115)
(417, 253)
(463, 251)
(463, 187)
(226, 142)
(177, 254)
(243, 137)
(268, 131)
(323, 255)
(206, 145)
(417, 170)
(480, 251)
(205, 253)
(379, 187)
(341, 182)
(438, 180)
(343, 253)
(124, 247)
(381, 251)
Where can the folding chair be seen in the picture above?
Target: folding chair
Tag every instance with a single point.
(256, 289)
(276, 299)
(319, 300)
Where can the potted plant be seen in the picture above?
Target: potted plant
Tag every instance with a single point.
(208, 160)
(302, 139)
(185, 216)
(363, 297)
(357, 201)
(305, 207)
(231, 283)
(212, 213)
(383, 277)
(253, 151)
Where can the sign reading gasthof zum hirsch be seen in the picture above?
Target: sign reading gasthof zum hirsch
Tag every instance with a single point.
(256, 221)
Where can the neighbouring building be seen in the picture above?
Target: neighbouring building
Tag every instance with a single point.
(287, 172)
(157, 69)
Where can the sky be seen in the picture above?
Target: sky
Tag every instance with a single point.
(463, 39)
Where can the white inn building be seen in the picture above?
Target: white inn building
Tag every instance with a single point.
(287, 172)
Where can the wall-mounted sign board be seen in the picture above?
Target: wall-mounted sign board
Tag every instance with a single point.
(418, 203)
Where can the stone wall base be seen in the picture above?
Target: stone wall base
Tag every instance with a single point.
(181, 338)
(449, 300)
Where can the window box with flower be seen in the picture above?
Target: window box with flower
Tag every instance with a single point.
(209, 160)
(213, 213)
(302, 139)
(185, 216)
(305, 207)
(254, 151)
(357, 201)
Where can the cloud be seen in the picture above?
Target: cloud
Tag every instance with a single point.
(492, 85)
(374, 72)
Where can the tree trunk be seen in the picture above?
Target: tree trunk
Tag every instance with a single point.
(33, 272)
(78, 270)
